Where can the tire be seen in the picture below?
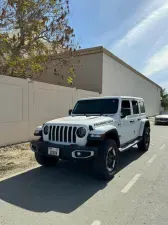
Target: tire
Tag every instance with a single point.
(46, 161)
(143, 145)
(105, 164)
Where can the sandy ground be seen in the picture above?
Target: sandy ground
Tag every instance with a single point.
(15, 158)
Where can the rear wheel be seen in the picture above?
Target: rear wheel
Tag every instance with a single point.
(143, 145)
(105, 164)
(46, 161)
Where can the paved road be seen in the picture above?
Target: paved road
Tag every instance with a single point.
(68, 195)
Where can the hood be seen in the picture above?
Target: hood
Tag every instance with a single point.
(82, 120)
(162, 117)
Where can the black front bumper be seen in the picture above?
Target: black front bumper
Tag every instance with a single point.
(65, 152)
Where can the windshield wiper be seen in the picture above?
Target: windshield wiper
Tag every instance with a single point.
(85, 114)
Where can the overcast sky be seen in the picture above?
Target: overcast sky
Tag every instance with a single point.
(134, 30)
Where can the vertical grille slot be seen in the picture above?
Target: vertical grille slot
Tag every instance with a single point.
(50, 129)
(69, 134)
(74, 134)
(57, 133)
(61, 134)
(65, 134)
(53, 133)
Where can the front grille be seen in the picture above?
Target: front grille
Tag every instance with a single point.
(162, 119)
(66, 134)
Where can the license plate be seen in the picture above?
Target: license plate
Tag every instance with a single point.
(53, 151)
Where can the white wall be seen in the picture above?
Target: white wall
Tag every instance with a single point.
(119, 80)
(25, 105)
(85, 94)
(49, 102)
(13, 110)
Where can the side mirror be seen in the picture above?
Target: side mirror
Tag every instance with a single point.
(122, 116)
(70, 111)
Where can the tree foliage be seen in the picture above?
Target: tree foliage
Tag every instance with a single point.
(164, 99)
(31, 31)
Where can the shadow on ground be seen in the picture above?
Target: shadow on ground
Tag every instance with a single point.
(62, 189)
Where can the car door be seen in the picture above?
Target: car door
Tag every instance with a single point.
(136, 120)
(126, 125)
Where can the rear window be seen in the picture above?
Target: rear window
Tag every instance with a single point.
(142, 107)
(135, 107)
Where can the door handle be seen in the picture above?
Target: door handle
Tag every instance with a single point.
(132, 121)
(138, 119)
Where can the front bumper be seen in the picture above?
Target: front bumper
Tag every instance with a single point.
(65, 152)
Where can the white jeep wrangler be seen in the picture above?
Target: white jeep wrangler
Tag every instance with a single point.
(96, 129)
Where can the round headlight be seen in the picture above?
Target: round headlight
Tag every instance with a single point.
(81, 132)
(46, 130)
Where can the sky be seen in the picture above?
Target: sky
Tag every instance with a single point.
(134, 30)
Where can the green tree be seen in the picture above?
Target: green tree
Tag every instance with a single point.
(31, 32)
(164, 99)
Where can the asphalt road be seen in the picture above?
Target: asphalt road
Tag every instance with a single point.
(68, 195)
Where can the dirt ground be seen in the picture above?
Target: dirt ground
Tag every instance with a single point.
(15, 158)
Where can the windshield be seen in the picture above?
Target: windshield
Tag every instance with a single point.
(96, 106)
(164, 113)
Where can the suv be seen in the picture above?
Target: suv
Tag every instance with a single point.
(96, 129)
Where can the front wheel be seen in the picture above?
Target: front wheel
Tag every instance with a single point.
(143, 145)
(45, 160)
(105, 164)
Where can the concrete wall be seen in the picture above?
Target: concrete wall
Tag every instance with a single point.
(14, 114)
(119, 80)
(25, 105)
(88, 72)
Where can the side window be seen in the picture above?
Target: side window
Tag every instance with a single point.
(142, 107)
(125, 108)
(135, 107)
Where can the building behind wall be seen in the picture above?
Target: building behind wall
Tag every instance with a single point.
(98, 70)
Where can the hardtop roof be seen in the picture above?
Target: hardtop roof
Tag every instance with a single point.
(111, 97)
